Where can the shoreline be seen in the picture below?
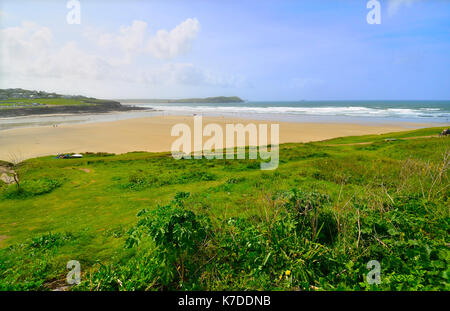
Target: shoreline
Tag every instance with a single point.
(36, 121)
(152, 134)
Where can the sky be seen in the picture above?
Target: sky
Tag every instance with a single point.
(256, 49)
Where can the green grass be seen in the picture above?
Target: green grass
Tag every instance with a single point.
(313, 223)
(433, 131)
(43, 101)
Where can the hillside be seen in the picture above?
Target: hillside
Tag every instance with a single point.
(144, 221)
(20, 102)
(19, 93)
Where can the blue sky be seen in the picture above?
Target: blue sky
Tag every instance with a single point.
(259, 50)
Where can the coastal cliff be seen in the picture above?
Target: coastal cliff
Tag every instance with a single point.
(104, 107)
(19, 102)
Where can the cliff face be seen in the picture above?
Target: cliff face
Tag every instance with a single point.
(103, 107)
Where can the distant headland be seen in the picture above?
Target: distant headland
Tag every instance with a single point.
(206, 100)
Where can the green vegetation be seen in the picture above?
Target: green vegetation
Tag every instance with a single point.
(21, 102)
(144, 221)
(20, 98)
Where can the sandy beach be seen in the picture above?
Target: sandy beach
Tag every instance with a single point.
(153, 134)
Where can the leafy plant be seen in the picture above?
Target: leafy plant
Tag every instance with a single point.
(30, 188)
(178, 233)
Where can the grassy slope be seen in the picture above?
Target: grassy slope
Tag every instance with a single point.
(44, 101)
(93, 201)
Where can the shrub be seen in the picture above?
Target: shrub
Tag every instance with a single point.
(50, 240)
(312, 212)
(300, 202)
(194, 176)
(178, 233)
(30, 188)
(140, 180)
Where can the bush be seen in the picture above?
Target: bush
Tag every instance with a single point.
(30, 188)
(178, 249)
(50, 240)
(312, 213)
(141, 180)
(301, 202)
(178, 233)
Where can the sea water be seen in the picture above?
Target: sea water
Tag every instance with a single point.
(317, 111)
(364, 112)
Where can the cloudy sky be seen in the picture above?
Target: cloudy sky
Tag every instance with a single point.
(259, 50)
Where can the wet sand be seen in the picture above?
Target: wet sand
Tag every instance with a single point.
(153, 134)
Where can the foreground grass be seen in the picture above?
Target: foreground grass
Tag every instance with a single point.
(312, 224)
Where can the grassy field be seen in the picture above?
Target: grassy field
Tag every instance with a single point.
(144, 221)
(43, 101)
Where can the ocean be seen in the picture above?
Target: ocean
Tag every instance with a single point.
(315, 111)
(365, 112)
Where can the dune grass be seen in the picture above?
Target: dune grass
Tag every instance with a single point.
(144, 221)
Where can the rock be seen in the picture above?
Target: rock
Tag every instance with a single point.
(7, 179)
(7, 174)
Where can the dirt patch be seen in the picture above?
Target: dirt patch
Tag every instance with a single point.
(352, 144)
(58, 285)
(77, 168)
(3, 237)
(388, 139)
(416, 137)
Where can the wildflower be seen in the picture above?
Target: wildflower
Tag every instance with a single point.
(288, 272)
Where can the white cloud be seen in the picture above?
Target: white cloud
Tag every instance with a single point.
(23, 45)
(28, 50)
(30, 57)
(169, 44)
(188, 74)
(136, 39)
(130, 39)
(395, 5)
